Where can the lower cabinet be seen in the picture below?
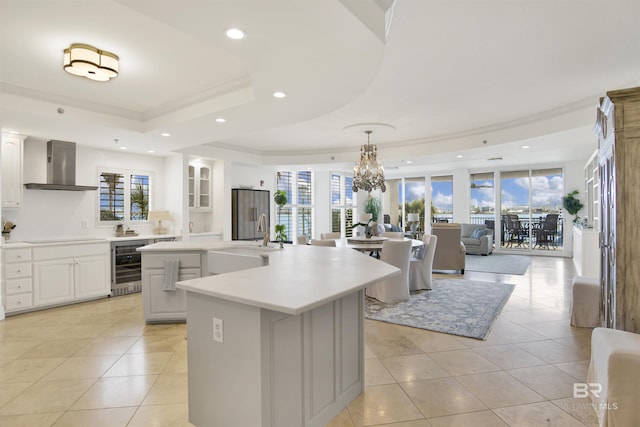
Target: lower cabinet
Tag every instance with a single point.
(53, 282)
(166, 306)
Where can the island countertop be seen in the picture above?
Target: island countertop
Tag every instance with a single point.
(297, 279)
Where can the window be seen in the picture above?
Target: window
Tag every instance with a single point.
(482, 205)
(124, 196)
(414, 195)
(342, 204)
(442, 198)
(297, 214)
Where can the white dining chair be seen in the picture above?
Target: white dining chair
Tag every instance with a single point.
(302, 240)
(420, 269)
(319, 242)
(392, 234)
(396, 288)
(334, 235)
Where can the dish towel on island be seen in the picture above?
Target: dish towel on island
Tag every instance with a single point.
(171, 267)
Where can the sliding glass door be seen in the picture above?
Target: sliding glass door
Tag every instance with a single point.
(531, 209)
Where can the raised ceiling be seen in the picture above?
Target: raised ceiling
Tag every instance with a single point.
(447, 76)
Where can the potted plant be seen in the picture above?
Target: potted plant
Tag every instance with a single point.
(572, 205)
(280, 197)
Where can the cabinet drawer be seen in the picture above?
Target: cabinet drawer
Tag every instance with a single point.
(17, 255)
(157, 261)
(17, 302)
(19, 286)
(21, 269)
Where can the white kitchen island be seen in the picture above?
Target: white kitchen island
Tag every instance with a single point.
(292, 350)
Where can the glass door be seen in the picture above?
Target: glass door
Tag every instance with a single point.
(531, 209)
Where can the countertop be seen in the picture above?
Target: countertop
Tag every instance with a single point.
(297, 279)
(12, 244)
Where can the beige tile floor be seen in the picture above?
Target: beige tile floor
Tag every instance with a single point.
(97, 364)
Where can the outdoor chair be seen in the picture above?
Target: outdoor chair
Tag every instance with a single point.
(547, 231)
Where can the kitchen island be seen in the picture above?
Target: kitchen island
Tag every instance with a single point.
(279, 345)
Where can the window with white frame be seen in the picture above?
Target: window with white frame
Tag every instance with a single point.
(297, 214)
(343, 204)
(123, 196)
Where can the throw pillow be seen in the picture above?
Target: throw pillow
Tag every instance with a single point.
(477, 233)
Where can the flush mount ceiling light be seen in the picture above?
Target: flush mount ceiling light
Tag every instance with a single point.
(368, 173)
(221, 120)
(235, 34)
(90, 62)
(279, 94)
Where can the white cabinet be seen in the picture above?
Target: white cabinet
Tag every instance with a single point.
(12, 170)
(200, 186)
(46, 275)
(166, 306)
(92, 277)
(70, 273)
(53, 282)
(18, 280)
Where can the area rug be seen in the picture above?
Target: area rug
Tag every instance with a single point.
(498, 263)
(460, 307)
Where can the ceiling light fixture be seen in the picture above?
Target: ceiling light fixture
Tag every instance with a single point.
(235, 34)
(526, 146)
(368, 172)
(459, 156)
(123, 148)
(87, 61)
(165, 134)
(279, 94)
(221, 120)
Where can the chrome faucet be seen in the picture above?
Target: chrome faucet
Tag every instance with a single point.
(263, 228)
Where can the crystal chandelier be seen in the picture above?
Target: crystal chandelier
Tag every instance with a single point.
(368, 173)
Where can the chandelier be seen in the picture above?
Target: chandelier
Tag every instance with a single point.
(87, 61)
(368, 173)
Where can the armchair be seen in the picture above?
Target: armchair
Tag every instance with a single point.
(477, 239)
(450, 251)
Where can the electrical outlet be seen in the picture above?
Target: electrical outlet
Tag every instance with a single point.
(218, 330)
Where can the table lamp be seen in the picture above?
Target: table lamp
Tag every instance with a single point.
(413, 218)
(159, 216)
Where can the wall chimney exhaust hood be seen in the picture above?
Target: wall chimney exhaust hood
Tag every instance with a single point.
(61, 168)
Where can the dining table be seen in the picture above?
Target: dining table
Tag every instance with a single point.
(373, 244)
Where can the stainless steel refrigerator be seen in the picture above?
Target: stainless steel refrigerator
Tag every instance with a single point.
(246, 207)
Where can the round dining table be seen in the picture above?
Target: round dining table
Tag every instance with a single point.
(373, 244)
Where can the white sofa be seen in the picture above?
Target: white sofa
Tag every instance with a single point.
(479, 244)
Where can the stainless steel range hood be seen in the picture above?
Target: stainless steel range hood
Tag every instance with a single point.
(61, 168)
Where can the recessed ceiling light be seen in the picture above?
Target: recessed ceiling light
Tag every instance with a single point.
(165, 134)
(459, 156)
(279, 94)
(526, 146)
(221, 120)
(150, 151)
(409, 162)
(235, 34)
(123, 148)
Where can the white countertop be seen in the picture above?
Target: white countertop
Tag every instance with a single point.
(297, 279)
(76, 240)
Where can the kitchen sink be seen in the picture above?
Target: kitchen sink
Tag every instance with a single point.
(235, 259)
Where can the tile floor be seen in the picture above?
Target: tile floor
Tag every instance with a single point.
(97, 364)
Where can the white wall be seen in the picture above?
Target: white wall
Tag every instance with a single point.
(53, 214)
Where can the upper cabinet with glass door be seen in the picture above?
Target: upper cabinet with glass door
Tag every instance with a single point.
(199, 186)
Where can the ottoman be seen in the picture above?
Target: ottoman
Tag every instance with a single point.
(585, 305)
